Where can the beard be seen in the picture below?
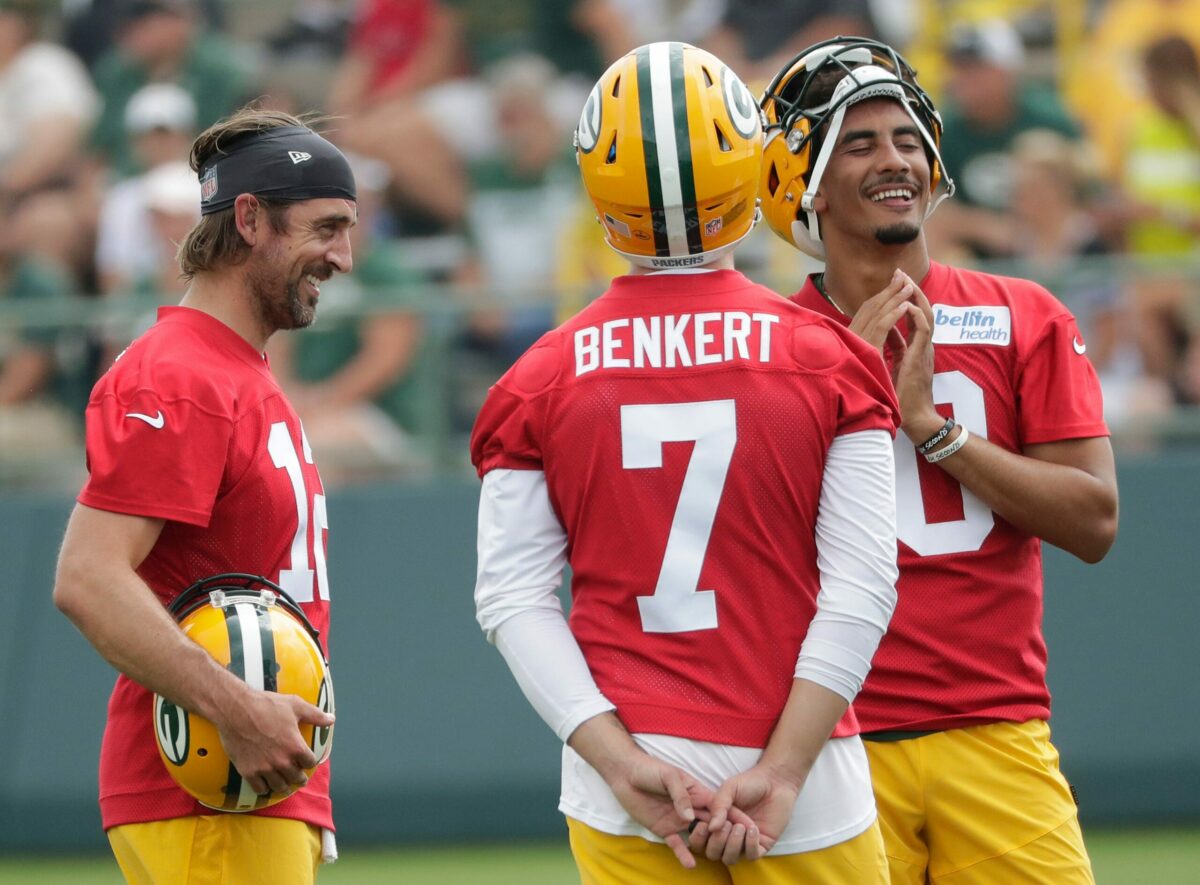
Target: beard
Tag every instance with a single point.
(897, 234)
(278, 302)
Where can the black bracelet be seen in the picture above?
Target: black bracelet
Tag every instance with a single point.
(937, 437)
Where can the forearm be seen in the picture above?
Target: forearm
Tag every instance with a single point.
(389, 344)
(24, 374)
(808, 719)
(604, 744)
(1063, 504)
(130, 628)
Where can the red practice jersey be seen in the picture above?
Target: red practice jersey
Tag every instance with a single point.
(682, 422)
(190, 427)
(965, 644)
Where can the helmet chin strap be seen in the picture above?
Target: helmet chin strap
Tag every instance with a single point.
(871, 81)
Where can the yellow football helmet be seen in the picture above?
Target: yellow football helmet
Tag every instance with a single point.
(254, 629)
(670, 148)
(803, 110)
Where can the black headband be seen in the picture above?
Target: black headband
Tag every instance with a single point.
(291, 163)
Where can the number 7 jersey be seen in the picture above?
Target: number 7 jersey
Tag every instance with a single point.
(682, 422)
(965, 643)
(189, 426)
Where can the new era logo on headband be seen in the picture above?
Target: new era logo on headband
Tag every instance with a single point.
(299, 156)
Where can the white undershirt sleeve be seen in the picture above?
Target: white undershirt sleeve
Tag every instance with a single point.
(856, 556)
(522, 552)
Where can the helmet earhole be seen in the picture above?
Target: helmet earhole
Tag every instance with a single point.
(722, 141)
(612, 151)
(773, 180)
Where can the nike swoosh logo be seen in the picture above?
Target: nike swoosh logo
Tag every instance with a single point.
(156, 422)
(1079, 346)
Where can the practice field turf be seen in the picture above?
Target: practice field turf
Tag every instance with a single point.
(1121, 857)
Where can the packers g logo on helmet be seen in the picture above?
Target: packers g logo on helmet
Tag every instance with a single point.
(670, 147)
(254, 629)
(803, 111)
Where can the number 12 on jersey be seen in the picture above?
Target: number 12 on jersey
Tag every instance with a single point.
(678, 605)
(297, 581)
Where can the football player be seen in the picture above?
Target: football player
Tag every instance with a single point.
(1003, 446)
(198, 465)
(715, 464)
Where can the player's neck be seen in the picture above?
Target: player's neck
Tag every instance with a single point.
(223, 297)
(851, 278)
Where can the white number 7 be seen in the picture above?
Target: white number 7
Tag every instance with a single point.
(677, 605)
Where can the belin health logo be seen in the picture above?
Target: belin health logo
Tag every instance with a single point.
(972, 325)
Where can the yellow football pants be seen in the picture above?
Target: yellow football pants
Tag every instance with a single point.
(985, 805)
(604, 859)
(218, 849)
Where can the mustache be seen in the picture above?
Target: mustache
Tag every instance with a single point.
(321, 271)
(894, 179)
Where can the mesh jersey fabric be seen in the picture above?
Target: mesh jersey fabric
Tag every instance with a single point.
(965, 644)
(220, 455)
(679, 365)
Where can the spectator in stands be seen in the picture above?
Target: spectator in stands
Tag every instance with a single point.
(1162, 182)
(162, 41)
(44, 372)
(990, 102)
(160, 122)
(360, 380)
(89, 26)
(618, 26)
(1056, 238)
(1103, 84)
(47, 103)
(521, 199)
(397, 50)
(429, 139)
(757, 37)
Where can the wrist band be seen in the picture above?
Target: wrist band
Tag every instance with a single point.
(959, 442)
(937, 437)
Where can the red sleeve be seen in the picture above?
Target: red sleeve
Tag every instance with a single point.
(506, 434)
(1058, 391)
(866, 398)
(166, 464)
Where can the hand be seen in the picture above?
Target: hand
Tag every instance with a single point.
(766, 797)
(738, 837)
(876, 320)
(912, 371)
(262, 737)
(662, 798)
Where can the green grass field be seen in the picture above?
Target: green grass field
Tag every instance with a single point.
(1120, 857)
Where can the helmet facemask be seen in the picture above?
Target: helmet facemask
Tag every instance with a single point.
(805, 106)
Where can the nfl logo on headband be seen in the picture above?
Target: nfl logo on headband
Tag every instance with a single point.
(208, 185)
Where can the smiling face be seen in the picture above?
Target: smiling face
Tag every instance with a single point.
(877, 184)
(286, 270)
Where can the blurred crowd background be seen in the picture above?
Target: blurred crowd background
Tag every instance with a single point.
(1072, 129)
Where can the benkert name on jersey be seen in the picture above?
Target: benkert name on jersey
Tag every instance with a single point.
(674, 341)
